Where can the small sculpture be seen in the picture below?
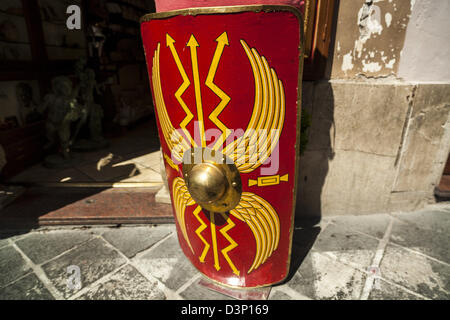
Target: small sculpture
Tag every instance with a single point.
(63, 110)
(93, 113)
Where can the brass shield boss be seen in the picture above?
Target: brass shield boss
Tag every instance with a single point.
(212, 179)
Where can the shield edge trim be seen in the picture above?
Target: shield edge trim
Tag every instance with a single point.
(227, 9)
(257, 8)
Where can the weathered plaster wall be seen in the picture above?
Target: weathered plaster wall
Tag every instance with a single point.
(369, 38)
(426, 52)
(405, 39)
(380, 128)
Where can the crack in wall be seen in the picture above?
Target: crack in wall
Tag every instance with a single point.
(405, 130)
(363, 76)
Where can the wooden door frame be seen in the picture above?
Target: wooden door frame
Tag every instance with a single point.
(318, 16)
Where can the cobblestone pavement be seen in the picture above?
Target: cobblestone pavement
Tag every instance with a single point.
(387, 256)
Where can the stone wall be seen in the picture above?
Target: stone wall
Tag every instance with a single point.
(377, 142)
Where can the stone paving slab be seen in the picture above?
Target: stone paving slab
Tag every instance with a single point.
(12, 265)
(95, 259)
(373, 225)
(304, 278)
(27, 288)
(126, 284)
(416, 272)
(321, 277)
(131, 240)
(386, 291)
(42, 246)
(424, 231)
(167, 263)
(341, 240)
(278, 295)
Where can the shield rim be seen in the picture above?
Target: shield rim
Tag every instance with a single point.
(257, 8)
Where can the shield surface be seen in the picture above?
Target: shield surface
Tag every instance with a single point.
(225, 84)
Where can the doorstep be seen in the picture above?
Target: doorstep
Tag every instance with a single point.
(78, 205)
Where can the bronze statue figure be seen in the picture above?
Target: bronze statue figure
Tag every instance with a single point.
(63, 109)
(93, 112)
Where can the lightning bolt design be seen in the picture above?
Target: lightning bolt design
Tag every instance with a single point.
(186, 83)
(232, 245)
(222, 41)
(199, 230)
(212, 217)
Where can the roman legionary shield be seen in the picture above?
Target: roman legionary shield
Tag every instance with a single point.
(226, 83)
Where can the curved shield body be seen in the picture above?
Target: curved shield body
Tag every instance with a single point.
(225, 84)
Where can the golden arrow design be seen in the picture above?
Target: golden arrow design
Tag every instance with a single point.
(222, 41)
(214, 240)
(230, 225)
(193, 44)
(186, 83)
(174, 139)
(199, 231)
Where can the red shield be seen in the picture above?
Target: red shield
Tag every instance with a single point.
(228, 79)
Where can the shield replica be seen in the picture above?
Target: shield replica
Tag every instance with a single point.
(226, 83)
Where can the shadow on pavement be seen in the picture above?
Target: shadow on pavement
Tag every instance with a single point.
(302, 242)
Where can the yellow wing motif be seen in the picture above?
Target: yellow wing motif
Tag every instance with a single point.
(265, 126)
(182, 199)
(264, 223)
(175, 141)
